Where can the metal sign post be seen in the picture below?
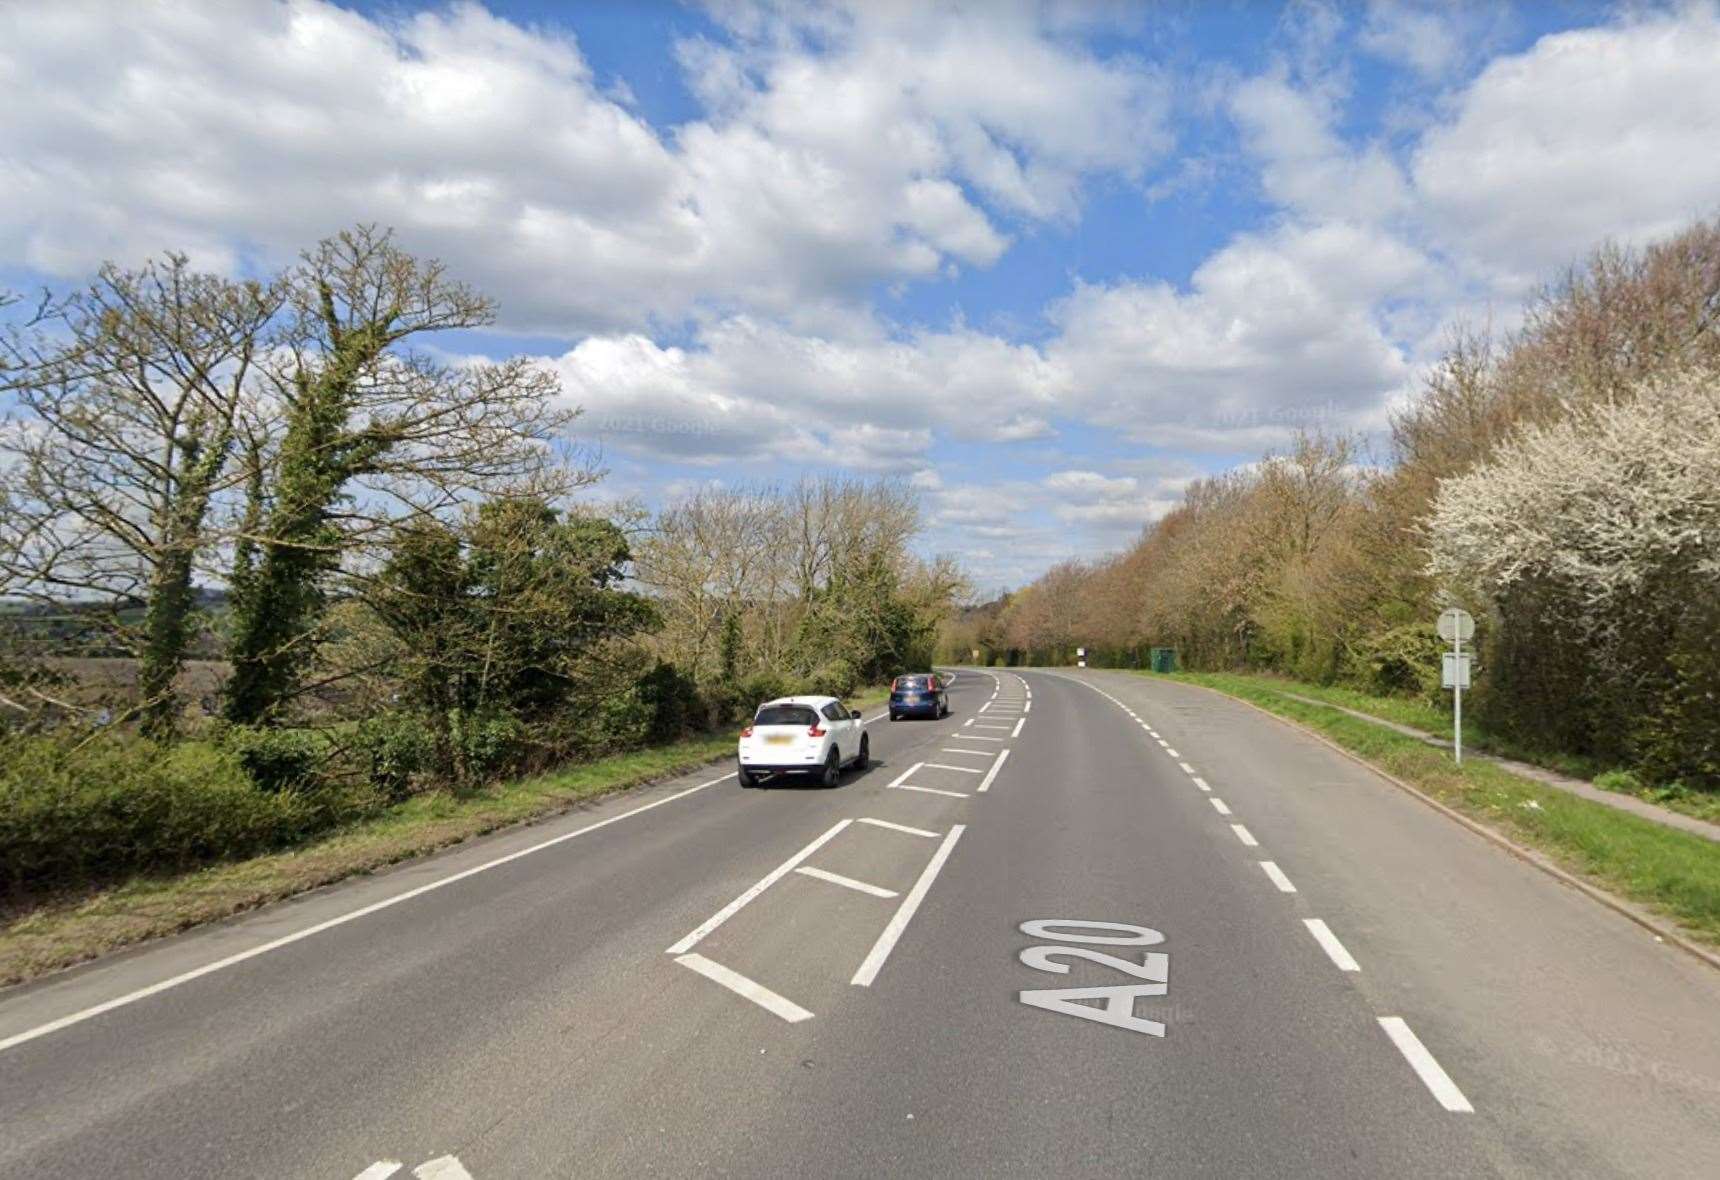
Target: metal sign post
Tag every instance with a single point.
(1080, 657)
(1456, 625)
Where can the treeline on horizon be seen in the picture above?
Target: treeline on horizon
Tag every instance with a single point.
(1560, 481)
(385, 554)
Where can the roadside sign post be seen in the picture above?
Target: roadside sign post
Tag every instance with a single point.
(1080, 657)
(1456, 625)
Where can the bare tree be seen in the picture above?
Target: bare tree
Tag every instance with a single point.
(129, 410)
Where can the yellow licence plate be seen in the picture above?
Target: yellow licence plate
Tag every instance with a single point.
(780, 739)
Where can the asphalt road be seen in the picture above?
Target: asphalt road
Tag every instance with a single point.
(1315, 974)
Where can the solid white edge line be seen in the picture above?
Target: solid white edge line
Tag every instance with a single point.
(1427, 1069)
(1219, 805)
(1246, 836)
(692, 938)
(1272, 870)
(444, 1167)
(759, 994)
(380, 1170)
(850, 882)
(1016, 732)
(985, 783)
(874, 961)
(143, 993)
(1329, 943)
(884, 823)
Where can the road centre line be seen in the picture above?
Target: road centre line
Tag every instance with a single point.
(850, 882)
(1330, 944)
(1187, 769)
(985, 783)
(759, 994)
(1161, 741)
(1246, 836)
(1172, 752)
(1278, 878)
(1016, 732)
(1219, 805)
(947, 766)
(143, 993)
(1201, 783)
(771, 878)
(894, 827)
(874, 961)
(1426, 1068)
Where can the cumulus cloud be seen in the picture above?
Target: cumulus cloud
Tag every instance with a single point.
(251, 129)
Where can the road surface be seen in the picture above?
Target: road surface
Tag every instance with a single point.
(1310, 974)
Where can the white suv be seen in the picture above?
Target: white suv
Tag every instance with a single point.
(806, 735)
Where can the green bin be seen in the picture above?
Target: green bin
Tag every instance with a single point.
(1163, 659)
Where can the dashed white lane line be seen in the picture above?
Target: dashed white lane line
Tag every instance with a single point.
(1016, 732)
(1427, 1069)
(1028, 707)
(1329, 943)
(1246, 836)
(985, 783)
(1161, 741)
(1187, 769)
(380, 1170)
(442, 1168)
(874, 961)
(1219, 805)
(1172, 752)
(850, 882)
(884, 823)
(1278, 878)
(144, 993)
(771, 878)
(947, 766)
(1201, 783)
(758, 993)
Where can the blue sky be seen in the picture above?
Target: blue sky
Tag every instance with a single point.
(1048, 261)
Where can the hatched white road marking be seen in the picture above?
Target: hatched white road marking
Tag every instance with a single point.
(931, 791)
(850, 882)
(974, 737)
(759, 994)
(1278, 878)
(1426, 1068)
(1219, 805)
(1330, 944)
(874, 961)
(884, 823)
(1016, 732)
(769, 879)
(1028, 707)
(985, 783)
(947, 766)
(380, 1170)
(958, 750)
(1246, 836)
(444, 1168)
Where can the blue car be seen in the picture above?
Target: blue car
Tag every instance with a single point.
(919, 696)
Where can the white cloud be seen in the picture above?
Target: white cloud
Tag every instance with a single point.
(256, 128)
(1607, 132)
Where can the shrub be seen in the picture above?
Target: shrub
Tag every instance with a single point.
(276, 759)
(123, 805)
(392, 750)
(1402, 661)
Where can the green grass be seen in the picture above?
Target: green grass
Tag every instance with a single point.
(1674, 873)
(47, 934)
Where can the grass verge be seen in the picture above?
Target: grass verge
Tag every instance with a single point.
(1670, 872)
